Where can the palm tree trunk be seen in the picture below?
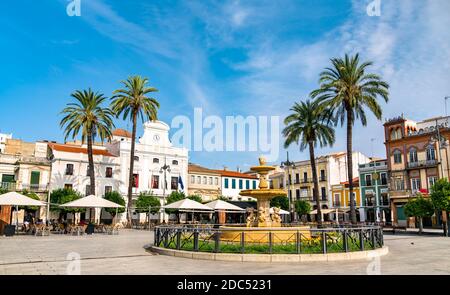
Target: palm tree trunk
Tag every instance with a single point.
(91, 170)
(130, 179)
(350, 166)
(420, 225)
(312, 159)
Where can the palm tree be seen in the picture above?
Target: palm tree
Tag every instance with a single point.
(132, 101)
(347, 88)
(88, 117)
(310, 124)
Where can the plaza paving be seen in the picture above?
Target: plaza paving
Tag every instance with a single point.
(125, 254)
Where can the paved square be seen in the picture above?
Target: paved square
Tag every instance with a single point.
(125, 254)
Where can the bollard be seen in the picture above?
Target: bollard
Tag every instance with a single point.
(217, 242)
(196, 241)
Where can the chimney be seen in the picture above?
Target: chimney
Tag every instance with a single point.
(225, 168)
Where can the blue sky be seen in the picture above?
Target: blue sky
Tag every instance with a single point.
(227, 57)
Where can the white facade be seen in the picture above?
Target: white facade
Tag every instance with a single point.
(233, 182)
(3, 138)
(152, 152)
(70, 169)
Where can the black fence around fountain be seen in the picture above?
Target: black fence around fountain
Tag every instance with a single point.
(269, 241)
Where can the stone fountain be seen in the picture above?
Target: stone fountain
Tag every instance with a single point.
(263, 195)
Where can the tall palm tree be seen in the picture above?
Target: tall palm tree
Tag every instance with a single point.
(310, 124)
(132, 101)
(348, 88)
(88, 117)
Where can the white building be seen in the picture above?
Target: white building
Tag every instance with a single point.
(233, 182)
(3, 138)
(70, 169)
(153, 151)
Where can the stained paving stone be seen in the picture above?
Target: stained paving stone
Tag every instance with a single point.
(125, 254)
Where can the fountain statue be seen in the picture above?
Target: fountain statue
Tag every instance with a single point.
(263, 195)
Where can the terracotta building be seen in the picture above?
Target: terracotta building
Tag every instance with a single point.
(417, 156)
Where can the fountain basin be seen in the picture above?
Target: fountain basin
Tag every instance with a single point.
(263, 234)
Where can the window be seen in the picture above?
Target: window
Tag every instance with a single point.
(199, 180)
(413, 155)
(322, 175)
(192, 179)
(399, 184)
(415, 184)
(135, 180)
(174, 183)
(155, 181)
(431, 154)
(34, 181)
(290, 180)
(337, 200)
(109, 172)
(225, 183)
(69, 169)
(241, 184)
(88, 170)
(254, 184)
(431, 181)
(175, 162)
(7, 178)
(247, 184)
(210, 181)
(383, 178)
(136, 158)
(233, 183)
(304, 193)
(216, 181)
(88, 190)
(297, 194)
(204, 179)
(368, 180)
(155, 160)
(397, 157)
(108, 189)
(68, 186)
(297, 178)
(323, 193)
(305, 176)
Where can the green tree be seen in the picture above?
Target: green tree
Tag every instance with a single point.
(196, 198)
(132, 102)
(145, 201)
(117, 198)
(172, 198)
(280, 202)
(440, 196)
(310, 124)
(87, 116)
(348, 88)
(419, 207)
(302, 208)
(62, 196)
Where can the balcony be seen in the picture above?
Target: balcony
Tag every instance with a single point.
(9, 186)
(34, 187)
(323, 178)
(422, 164)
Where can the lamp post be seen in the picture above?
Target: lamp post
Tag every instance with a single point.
(288, 165)
(163, 170)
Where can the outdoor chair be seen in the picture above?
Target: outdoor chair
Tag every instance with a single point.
(42, 229)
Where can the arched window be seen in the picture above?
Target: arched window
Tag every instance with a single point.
(174, 162)
(155, 160)
(431, 153)
(413, 155)
(397, 157)
(393, 134)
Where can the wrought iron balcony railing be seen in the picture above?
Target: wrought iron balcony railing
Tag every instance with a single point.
(424, 163)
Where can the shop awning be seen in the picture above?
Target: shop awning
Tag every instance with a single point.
(91, 201)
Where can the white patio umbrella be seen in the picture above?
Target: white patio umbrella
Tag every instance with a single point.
(188, 205)
(219, 205)
(16, 199)
(282, 212)
(92, 201)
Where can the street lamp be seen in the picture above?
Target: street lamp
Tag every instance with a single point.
(288, 165)
(164, 169)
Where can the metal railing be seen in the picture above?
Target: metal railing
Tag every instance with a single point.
(424, 163)
(9, 186)
(272, 241)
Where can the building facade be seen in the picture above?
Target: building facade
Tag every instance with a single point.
(204, 182)
(341, 200)
(3, 138)
(417, 154)
(159, 167)
(233, 182)
(373, 178)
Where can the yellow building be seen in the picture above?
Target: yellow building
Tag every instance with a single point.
(341, 195)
